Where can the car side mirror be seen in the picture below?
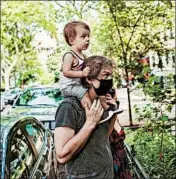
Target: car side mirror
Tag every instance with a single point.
(11, 101)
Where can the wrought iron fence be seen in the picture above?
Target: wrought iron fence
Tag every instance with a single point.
(137, 170)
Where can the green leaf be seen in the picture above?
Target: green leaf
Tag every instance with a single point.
(164, 117)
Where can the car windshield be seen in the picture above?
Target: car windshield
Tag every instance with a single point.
(14, 91)
(11, 92)
(40, 96)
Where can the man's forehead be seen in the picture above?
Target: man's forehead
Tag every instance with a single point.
(107, 70)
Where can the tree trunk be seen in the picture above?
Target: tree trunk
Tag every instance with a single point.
(7, 77)
(8, 71)
(128, 94)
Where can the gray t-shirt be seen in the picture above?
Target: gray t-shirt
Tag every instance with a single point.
(94, 160)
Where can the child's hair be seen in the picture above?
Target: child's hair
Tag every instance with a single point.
(96, 64)
(70, 29)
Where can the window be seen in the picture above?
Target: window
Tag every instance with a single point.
(21, 159)
(39, 96)
(36, 134)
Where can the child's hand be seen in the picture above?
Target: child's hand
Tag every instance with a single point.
(86, 71)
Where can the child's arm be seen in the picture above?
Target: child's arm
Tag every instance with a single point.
(67, 64)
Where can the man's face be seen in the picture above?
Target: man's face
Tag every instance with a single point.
(105, 74)
(81, 41)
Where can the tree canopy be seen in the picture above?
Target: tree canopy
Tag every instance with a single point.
(125, 31)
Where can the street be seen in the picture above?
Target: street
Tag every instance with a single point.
(122, 96)
(137, 98)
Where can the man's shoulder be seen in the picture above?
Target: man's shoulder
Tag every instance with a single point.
(71, 101)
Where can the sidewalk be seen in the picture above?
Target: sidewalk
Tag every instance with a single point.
(137, 98)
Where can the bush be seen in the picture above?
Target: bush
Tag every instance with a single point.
(155, 150)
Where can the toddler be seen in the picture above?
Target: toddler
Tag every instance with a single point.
(77, 35)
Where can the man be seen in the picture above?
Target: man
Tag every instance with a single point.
(80, 141)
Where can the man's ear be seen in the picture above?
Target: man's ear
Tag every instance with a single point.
(89, 81)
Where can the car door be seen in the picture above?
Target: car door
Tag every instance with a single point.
(42, 145)
(20, 156)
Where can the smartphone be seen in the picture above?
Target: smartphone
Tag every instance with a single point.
(112, 92)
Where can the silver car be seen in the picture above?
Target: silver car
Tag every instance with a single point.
(27, 149)
(40, 102)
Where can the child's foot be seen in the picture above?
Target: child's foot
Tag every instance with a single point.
(115, 109)
(108, 113)
(106, 116)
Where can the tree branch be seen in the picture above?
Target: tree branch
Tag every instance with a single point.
(118, 30)
(135, 25)
(59, 4)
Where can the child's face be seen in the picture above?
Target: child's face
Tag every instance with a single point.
(81, 41)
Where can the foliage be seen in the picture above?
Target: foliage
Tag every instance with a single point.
(153, 142)
(131, 30)
(21, 20)
(54, 65)
(155, 150)
(74, 10)
(121, 30)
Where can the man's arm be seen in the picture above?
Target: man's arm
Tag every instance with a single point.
(67, 143)
(117, 126)
(111, 100)
(111, 124)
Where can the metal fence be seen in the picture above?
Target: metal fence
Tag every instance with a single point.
(137, 170)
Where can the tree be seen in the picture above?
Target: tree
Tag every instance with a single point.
(21, 20)
(130, 30)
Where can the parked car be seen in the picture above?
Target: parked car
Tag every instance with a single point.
(123, 83)
(27, 149)
(40, 102)
(11, 95)
(2, 102)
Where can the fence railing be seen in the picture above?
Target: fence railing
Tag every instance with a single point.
(137, 170)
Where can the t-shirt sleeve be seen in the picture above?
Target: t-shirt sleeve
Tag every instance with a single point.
(66, 116)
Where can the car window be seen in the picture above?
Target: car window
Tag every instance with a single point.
(39, 96)
(22, 158)
(13, 92)
(36, 134)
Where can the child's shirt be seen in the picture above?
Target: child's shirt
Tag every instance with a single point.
(65, 81)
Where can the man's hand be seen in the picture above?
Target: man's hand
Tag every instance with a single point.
(93, 114)
(86, 71)
(110, 100)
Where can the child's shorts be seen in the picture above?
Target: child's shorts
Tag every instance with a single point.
(74, 90)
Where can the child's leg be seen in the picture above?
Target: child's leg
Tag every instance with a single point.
(80, 92)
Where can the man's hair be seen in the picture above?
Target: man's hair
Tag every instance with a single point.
(70, 29)
(96, 64)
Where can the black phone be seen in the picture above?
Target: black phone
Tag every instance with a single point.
(112, 92)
